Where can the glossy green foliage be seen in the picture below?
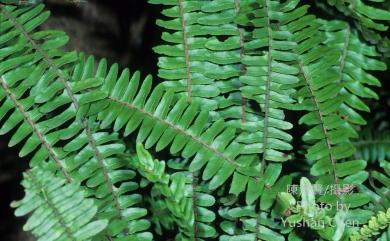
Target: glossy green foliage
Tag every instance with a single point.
(356, 61)
(166, 122)
(368, 16)
(375, 225)
(187, 66)
(373, 145)
(371, 19)
(90, 154)
(267, 51)
(100, 162)
(234, 73)
(21, 70)
(330, 90)
(197, 62)
(254, 225)
(59, 210)
(329, 60)
(380, 187)
(183, 198)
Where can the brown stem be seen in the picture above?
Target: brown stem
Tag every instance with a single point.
(40, 136)
(320, 115)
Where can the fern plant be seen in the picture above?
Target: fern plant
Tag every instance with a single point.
(233, 73)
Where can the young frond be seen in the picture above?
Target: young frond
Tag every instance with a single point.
(182, 197)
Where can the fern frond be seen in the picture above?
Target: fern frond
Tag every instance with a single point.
(370, 20)
(183, 198)
(368, 16)
(245, 223)
(322, 92)
(373, 145)
(226, 51)
(208, 60)
(18, 64)
(90, 154)
(99, 161)
(356, 60)
(374, 227)
(266, 59)
(380, 187)
(224, 62)
(164, 121)
(185, 63)
(59, 211)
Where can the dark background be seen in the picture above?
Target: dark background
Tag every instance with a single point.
(124, 32)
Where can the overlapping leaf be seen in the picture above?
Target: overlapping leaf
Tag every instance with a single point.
(164, 121)
(371, 18)
(222, 57)
(183, 198)
(254, 226)
(41, 87)
(59, 210)
(324, 94)
(373, 144)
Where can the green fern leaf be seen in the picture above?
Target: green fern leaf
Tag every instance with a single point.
(183, 198)
(90, 154)
(370, 20)
(164, 121)
(212, 67)
(254, 226)
(373, 145)
(324, 92)
(59, 211)
(268, 71)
